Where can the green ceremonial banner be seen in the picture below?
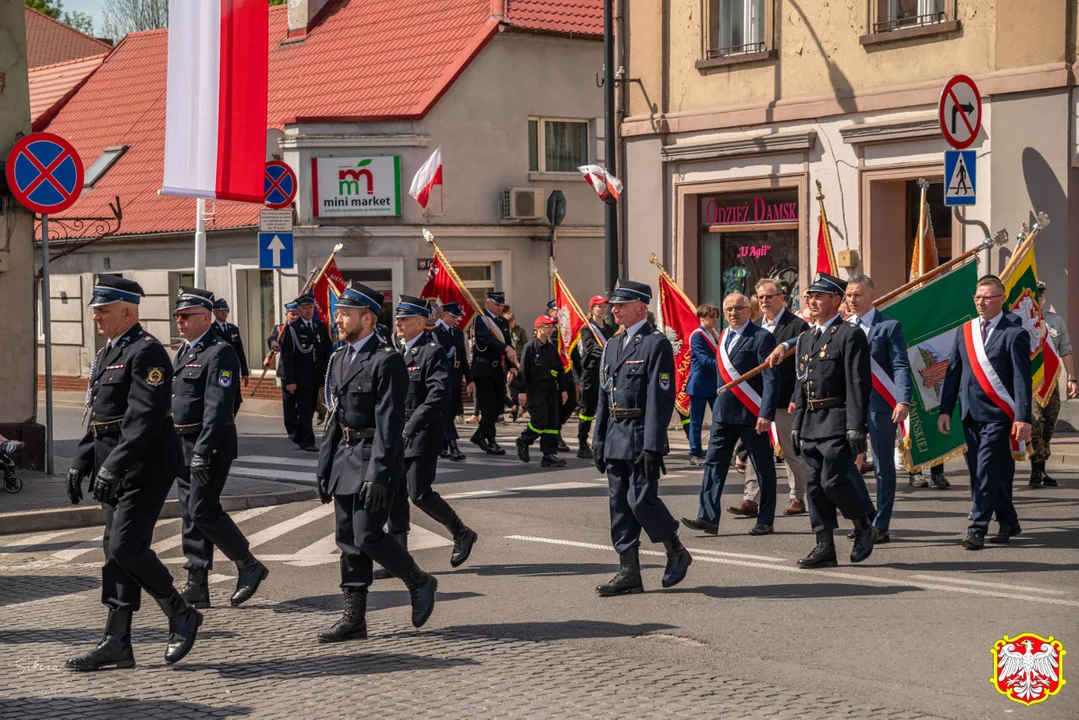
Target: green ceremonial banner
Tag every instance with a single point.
(931, 315)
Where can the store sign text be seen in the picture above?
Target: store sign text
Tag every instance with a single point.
(758, 211)
(753, 251)
(356, 186)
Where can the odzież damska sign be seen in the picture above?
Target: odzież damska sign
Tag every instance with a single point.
(342, 187)
(753, 210)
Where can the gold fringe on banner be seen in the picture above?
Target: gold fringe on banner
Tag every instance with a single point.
(429, 237)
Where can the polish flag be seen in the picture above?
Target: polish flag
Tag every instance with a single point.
(428, 176)
(607, 186)
(215, 109)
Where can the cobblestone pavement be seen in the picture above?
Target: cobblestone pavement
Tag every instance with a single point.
(239, 669)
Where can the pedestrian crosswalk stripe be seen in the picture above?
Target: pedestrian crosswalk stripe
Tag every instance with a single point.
(564, 486)
(34, 540)
(276, 531)
(176, 540)
(90, 545)
(276, 460)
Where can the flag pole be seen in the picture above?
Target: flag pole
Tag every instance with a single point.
(655, 261)
(827, 230)
(430, 237)
(917, 266)
(1024, 240)
(200, 243)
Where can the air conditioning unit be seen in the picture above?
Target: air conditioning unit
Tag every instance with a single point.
(522, 204)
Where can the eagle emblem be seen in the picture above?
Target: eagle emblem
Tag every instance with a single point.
(676, 342)
(1026, 310)
(563, 324)
(1028, 668)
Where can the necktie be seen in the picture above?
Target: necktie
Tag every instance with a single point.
(180, 353)
(985, 331)
(731, 335)
(817, 332)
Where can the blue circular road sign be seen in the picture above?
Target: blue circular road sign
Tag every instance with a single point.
(279, 184)
(44, 173)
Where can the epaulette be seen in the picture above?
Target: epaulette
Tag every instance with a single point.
(387, 348)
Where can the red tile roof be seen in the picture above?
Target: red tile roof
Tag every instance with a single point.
(49, 41)
(52, 85)
(365, 60)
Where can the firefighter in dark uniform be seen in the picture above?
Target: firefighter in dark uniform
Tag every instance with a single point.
(359, 462)
(288, 400)
(453, 343)
(205, 399)
(569, 404)
(594, 337)
(305, 351)
(492, 353)
(635, 407)
(130, 454)
(230, 334)
(831, 419)
(541, 386)
(427, 395)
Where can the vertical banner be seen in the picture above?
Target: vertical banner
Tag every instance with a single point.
(1021, 288)
(570, 320)
(678, 317)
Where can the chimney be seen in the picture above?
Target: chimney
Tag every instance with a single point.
(302, 14)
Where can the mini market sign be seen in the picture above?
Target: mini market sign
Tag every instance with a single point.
(357, 186)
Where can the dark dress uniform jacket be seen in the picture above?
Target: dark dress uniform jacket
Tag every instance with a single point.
(206, 394)
(542, 375)
(427, 395)
(304, 354)
(132, 382)
(368, 394)
(1008, 350)
(487, 349)
(837, 374)
(231, 335)
(789, 326)
(639, 377)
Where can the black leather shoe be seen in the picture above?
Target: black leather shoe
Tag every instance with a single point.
(701, 526)
(353, 622)
(184, 622)
(881, 537)
(444, 454)
(455, 453)
(627, 581)
(1006, 533)
(562, 446)
(584, 452)
(678, 562)
(940, 482)
(478, 440)
(1048, 481)
(421, 588)
(552, 461)
(761, 529)
(864, 534)
(251, 574)
(463, 540)
(973, 541)
(823, 555)
(522, 450)
(197, 590)
(380, 573)
(114, 651)
(493, 448)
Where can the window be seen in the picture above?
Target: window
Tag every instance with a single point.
(557, 145)
(99, 167)
(739, 28)
(898, 14)
(479, 279)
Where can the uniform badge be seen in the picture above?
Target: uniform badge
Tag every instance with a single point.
(665, 381)
(155, 376)
(225, 380)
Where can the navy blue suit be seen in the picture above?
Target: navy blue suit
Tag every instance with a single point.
(986, 426)
(733, 421)
(700, 386)
(636, 402)
(887, 348)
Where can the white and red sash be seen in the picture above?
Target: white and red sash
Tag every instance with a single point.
(885, 387)
(708, 335)
(743, 391)
(987, 377)
(597, 333)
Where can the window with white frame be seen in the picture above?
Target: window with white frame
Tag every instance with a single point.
(557, 145)
(478, 278)
(900, 14)
(740, 27)
(101, 165)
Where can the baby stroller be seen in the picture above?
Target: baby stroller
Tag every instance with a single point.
(12, 482)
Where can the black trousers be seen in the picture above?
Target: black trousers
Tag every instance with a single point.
(635, 504)
(130, 564)
(306, 400)
(205, 522)
(544, 411)
(288, 411)
(569, 406)
(586, 411)
(361, 537)
(418, 477)
(491, 402)
(992, 471)
(829, 488)
(453, 408)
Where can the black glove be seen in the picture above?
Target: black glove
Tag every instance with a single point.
(200, 469)
(323, 487)
(107, 487)
(598, 459)
(856, 440)
(74, 485)
(373, 496)
(653, 463)
(796, 441)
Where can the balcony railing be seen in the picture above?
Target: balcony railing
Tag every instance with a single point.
(910, 21)
(723, 52)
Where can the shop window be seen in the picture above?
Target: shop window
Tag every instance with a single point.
(738, 28)
(557, 145)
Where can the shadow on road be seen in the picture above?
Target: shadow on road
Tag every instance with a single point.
(566, 630)
(82, 707)
(24, 588)
(794, 592)
(363, 663)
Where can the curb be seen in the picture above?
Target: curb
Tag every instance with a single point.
(76, 517)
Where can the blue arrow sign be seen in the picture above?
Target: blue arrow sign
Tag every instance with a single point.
(275, 251)
(960, 177)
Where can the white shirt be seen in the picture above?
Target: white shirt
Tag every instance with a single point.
(359, 344)
(413, 341)
(222, 326)
(992, 322)
(737, 336)
(770, 325)
(867, 320)
(442, 323)
(632, 330)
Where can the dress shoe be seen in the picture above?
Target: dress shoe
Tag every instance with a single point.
(522, 450)
(421, 589)
(184, 622)
(746, 508)
(309, 448)
(445, 453)
(678, 562)
(584, 452)
(701, 525)
(353, 623)
(973, 541)
(552, 461)
(795, 507)
(864, 534)
(696, 460)
(197, 590)
(493, 448)
(761, 529)
(881, 537)
(114, 651)
(1006, 533)
(478, 440)
(562, 446)
(251, 573)
(455, 454)
(917, 481)
(463, 540)
(627, 581)
(823, 555)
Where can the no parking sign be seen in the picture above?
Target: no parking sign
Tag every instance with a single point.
(44, 173)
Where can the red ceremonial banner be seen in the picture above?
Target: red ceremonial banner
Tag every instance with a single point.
(331, 276)
(443, 283)
(570, 321)
(679, 317)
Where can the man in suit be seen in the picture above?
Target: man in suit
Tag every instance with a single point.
(359, 463)
(831, 409)
(701, 384)
(594, 336)
(743, 413)
(453, 343)
(305, 351)
(635, 407)
(784, 326)
(288, 400)
(989, 375)
(491, 354)
(230, 334)
(887, 412)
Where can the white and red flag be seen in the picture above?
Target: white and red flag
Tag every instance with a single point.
(426, 178)
(570, 320)
(607, 186)
(215, 110)
(444, 284)
(678, 316)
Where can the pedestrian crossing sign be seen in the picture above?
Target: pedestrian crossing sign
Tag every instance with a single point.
(960, 175)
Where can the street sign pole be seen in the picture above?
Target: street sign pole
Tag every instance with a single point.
(200, 244)
(46, 319)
